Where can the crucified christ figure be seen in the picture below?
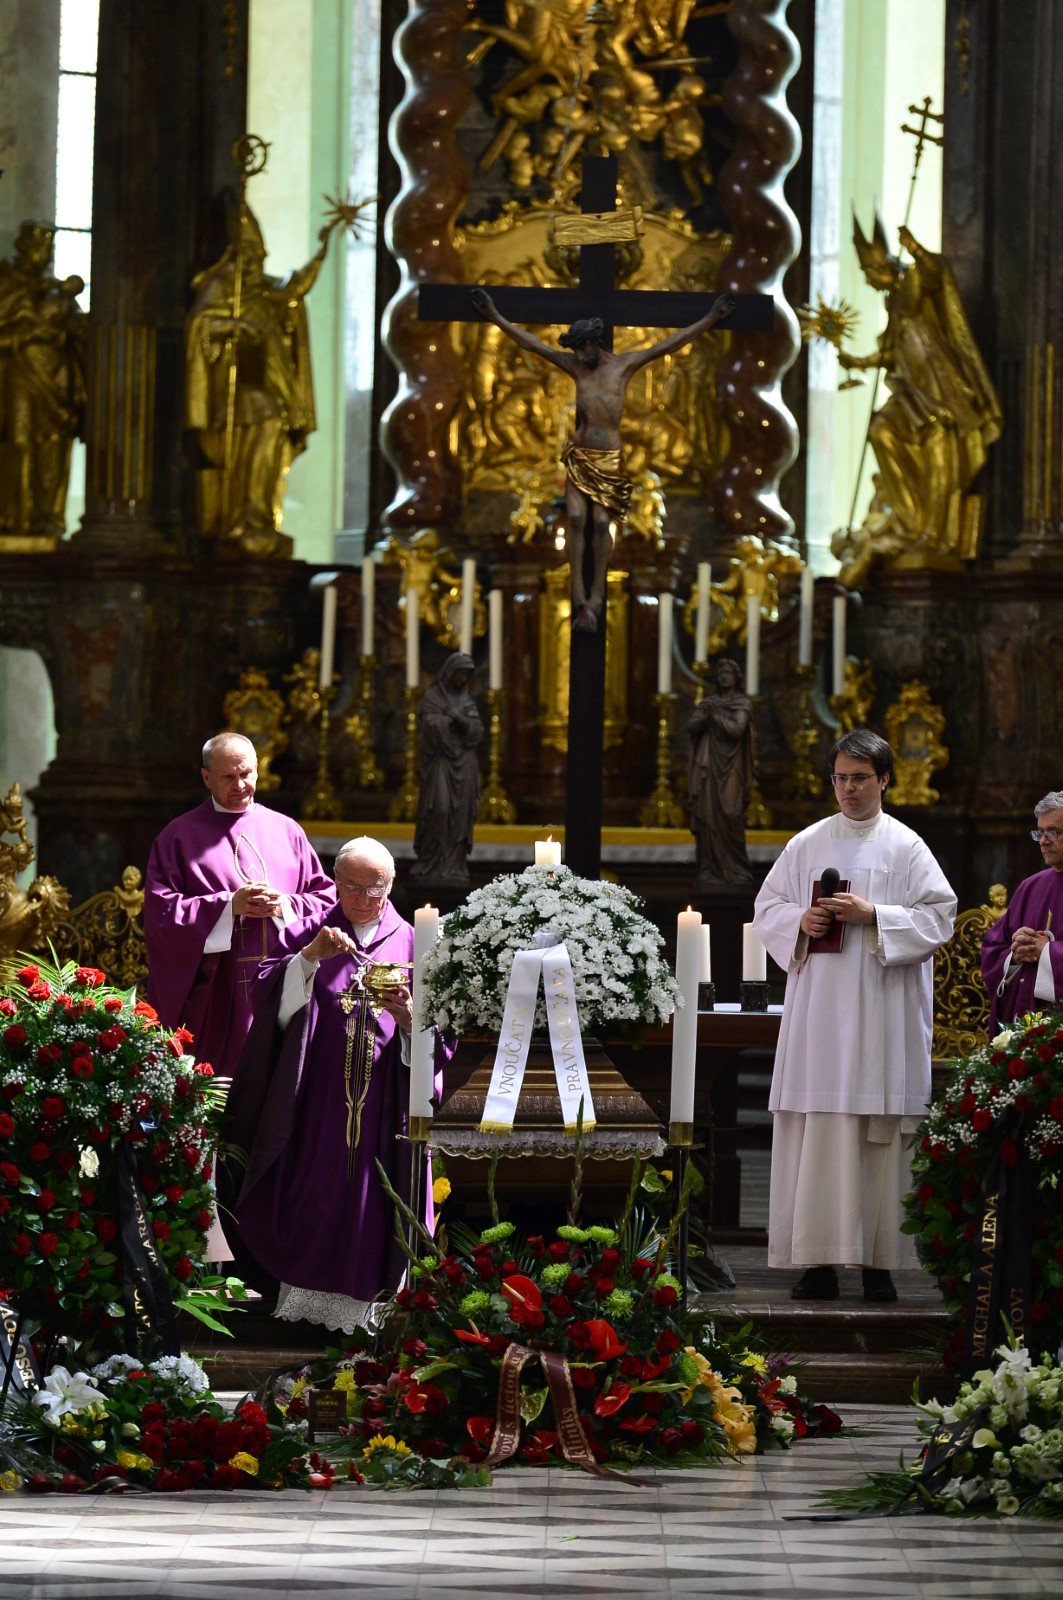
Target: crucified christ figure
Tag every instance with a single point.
(596, 481)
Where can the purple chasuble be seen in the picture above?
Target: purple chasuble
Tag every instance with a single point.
(299, 1214)
(196, 864)
(1030, 904)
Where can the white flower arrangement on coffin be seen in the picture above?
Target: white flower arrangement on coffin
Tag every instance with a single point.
(619, 975)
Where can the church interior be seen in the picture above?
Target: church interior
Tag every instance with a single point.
(266, 466)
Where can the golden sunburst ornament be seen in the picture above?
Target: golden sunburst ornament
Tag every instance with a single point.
(347, 212)
(834, 324)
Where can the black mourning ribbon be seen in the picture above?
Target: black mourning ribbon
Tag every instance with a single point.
(1002, 1252)
(149, 1305)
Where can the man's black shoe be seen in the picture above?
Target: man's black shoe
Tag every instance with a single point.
(878, 1285)
(816, 1283)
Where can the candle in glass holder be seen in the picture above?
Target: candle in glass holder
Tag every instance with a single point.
(548, 852)
(664, 644)
(494, 639)
(804, 633)
(701, 618)
(685, 1019)
(368, 602)
(468, 595)
(422, 1039)
(754, 956)
(752, 645)
(330, 600)
(413, 638)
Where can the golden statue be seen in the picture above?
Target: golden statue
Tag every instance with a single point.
(931, 436)
(42, 390)
(249, 394)
(28, 917)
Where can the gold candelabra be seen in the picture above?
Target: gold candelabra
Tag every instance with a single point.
(758, 812)
(359, 726)
(662, 809)
(495, 804)
(404, 806)
(701, 671)
(805, 782)
(322, 803)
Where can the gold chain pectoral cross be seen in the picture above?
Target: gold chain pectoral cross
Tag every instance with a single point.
(357, 1059)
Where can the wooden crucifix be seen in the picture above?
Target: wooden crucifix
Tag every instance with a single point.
(597, 303)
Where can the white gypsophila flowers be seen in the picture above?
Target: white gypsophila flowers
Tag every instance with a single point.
(183, 1372)
(618, 974)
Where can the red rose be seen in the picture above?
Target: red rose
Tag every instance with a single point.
(574, 1283)
(667, 1342)
(107, 1229)
(561, 1306)
(39, 1151)
(8, 1008)
(177, 1041)
(1017, 1068)
(7, 1125)
(10, 1173)
(90, 977)
(142, 1009)
(604, 1287)
(81, 1066)
(982, 1120)
(113, 1004)
(559, 1250)
(203, 1069)
(665, 1296)
(73, 1220)
(1055, 1108)
(203, 1220)
(692, 1432)
(47, 1243)
(161, 1230)
(39, 991)
(1038, 1310)
(926, 1193)
(87, 1196)
(191, 1157)
(27, 975)
(174, 1193)
(22, 1244)
(46, 1200)
(5, 1205)
(584, 1378)
(53, 1105)
(182, 1269)
(15, 1036)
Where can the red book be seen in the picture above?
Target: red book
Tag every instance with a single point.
(831, 942)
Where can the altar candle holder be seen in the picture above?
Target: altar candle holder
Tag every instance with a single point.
(404, 806)
(805, 781)
(417, 1132)
(758, 812)
(662, 809)
(753, 995)
(495, 804)
(359, 726)
(706, 996)
(701, 670)
(845, 706)
(322, 804)
(680, 1147)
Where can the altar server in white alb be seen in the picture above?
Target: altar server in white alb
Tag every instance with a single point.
(853, 911)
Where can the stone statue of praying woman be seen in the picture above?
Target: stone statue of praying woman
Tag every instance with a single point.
(449, 729)
(721, 779)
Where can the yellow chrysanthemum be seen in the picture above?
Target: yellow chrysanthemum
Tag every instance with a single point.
(10, 1483)
(386, 1441)
(298, 1386)
(344, 1380)
(441, 1190)
(245, 1463)
(756, 1363)
(132, 1459)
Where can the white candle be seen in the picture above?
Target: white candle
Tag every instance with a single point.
(685, 1019)
(422, 1040)
(368, 602)
(494, 618)
(413, 638)
(701, 620)
(754, 956)
(752, 644)
(804, 633)
(838, 642)
(468, 594)
(328, 635)
(705, 964)
(548, 852)
(664, 644)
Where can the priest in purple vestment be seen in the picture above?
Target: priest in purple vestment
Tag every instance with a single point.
(223, 881)
(315, 1111)
(1022, 956)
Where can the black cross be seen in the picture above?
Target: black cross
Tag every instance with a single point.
(595, 296)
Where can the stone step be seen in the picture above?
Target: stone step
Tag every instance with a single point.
(842, 1379)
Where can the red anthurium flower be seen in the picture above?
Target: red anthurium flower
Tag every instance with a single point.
(524, 1296)
(619, 1393)
(603, 1339)
(479, 1428)
(475, 1337)
(641, 1424)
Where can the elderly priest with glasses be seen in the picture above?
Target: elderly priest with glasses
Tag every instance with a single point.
(1022, 959)
(322, 1094)
(853, 911)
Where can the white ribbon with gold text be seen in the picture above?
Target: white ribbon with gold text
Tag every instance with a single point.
(514, 1041)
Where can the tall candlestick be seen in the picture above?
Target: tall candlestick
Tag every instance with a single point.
(804, 633)
(838, 642)
(413, 638)
(468, 592)
(548, 852)
(705, 949)
(754, 956)
(752, 644)
(368, 603)
(685, 1019)
(330, 601)
(494, 618)
(701, 620)
(664, 644)
(422, 1040)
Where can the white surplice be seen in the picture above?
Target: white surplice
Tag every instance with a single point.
(854, 1042)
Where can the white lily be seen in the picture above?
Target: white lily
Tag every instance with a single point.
(63, 1391)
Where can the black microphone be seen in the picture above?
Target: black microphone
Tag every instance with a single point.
(828, 882)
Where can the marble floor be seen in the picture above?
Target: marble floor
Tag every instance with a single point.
(736, 1531)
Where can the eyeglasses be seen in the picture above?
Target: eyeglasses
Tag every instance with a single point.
(1051, 834)
(855, 779)
(371, 891)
